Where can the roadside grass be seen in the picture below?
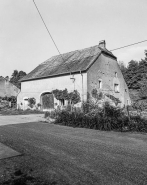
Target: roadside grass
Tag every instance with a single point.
(14, 111)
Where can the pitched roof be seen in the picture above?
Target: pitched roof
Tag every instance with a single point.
(79, 60)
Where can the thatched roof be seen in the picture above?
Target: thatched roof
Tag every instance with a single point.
(75, 61)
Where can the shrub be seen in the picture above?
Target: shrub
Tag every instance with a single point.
(38, 104)
(32, 102)
(106, 118)
(51, 114)
(137, 124)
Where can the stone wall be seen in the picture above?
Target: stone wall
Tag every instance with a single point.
(7, 88)
(107, 71)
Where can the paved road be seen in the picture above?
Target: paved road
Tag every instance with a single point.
(79, 156)
(14, 119)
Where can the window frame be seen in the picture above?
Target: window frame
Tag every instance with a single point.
(116, 88)
(100, 83)
(115, 74)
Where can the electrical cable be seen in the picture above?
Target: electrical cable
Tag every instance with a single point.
(128, 45)
(49, 32)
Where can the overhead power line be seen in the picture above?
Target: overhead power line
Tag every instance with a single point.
(48, 30)
(58, 48)
(128, 45)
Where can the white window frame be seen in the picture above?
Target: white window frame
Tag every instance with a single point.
(116, 88)
(100, 84)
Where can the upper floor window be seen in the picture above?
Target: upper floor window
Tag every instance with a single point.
(127, 102)
(116, 74)
(116, 88)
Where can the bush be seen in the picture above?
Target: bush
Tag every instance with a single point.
(39, 104)
(32, 102)
(106, 118)
(51, 114)
(137, 124)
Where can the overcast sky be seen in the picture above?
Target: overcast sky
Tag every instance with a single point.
(74, 24)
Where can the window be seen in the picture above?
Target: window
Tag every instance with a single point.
(62, 102)
(116, 74)
(127, 102)
(116, 88)
(100, 84)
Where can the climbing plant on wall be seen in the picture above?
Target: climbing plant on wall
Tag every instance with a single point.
(99, 95)
(73, 97)
(61, 94)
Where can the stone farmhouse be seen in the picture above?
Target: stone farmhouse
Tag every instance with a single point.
(7, 88)
(82, 70)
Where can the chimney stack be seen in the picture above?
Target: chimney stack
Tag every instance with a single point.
(102, 44)
(7, 78)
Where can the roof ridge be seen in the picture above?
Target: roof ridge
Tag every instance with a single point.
(78, 60)
(78, 50)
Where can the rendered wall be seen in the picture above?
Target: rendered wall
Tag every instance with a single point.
(36, 87)
(104, 69)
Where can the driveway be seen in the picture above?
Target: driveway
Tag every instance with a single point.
(77, 156)
(15, 119)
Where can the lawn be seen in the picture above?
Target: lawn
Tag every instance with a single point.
(54, 154)
(14, 111)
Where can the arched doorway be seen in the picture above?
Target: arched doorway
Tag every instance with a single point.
(47, 101)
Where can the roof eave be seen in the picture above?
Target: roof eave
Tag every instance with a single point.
(68, 73)
(111, 55)
(56, 75)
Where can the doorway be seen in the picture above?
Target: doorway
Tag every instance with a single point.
(47, 101)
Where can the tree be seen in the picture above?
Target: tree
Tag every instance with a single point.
(130, 75)
(122, 67)
(16, 76)
(143, 88)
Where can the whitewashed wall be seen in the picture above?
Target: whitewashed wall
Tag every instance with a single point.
(36, 87)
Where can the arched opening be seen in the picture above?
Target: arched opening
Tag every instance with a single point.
(25, 103)
(47, 100)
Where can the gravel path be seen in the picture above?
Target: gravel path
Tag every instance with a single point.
(77, 156)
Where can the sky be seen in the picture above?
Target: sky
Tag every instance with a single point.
(74, 24)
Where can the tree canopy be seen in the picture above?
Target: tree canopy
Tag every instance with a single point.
(135, 75)
(16, 76)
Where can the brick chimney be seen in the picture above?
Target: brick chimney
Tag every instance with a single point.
(102, 44)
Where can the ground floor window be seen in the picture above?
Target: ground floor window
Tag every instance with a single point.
(62, 102)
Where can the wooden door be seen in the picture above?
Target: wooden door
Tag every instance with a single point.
(47, 101)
